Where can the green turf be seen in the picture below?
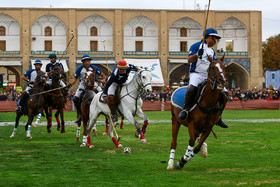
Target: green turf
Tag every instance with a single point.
(245, 154)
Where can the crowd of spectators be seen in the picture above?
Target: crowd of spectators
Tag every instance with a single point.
(250, 94)
(10, 94)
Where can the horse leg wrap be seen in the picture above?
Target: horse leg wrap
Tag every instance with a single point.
(57, 120)
(89, 144)
(115, 142)
(189, 154)
(140, 134)
(171, 157)
(121, 125)
(50, 121)
(144, 127)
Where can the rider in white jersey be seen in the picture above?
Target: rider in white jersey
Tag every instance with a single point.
(199, 71)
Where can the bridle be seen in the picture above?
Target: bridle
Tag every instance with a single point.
(215, 82)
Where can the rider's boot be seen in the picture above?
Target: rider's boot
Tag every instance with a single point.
(111, 102)
(77, 104)
(223, 102)
(189, 96)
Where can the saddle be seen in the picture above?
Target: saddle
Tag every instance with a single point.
(117, 96)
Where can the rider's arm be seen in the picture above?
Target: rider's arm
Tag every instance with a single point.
(24, 78)
(192, 58)
(103, 78)
(73, 81)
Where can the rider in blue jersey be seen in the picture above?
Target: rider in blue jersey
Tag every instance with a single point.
(118, 77)
(80, 73)
(30, 77)
(199, 72)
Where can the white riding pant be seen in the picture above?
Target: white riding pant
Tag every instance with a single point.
(197, 78)
(81, 89)
(112, 88)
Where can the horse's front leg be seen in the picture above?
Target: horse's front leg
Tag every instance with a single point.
(175, 129)
(62, 120)
(111, 134)
(16, 124)
(56, 115)
(204, 151)
(28, 127)
(141, 114)
(49, 119)
(140, 134)
(189, 152)
(203, 137)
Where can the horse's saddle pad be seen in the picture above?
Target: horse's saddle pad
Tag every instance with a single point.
(177, 98)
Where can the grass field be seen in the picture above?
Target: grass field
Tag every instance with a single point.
(245, 154)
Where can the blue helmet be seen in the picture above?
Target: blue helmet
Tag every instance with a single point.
(38, 62)
(212, 32)
(85, 57)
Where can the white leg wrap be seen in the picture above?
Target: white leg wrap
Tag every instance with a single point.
(189, 154)
(84, 141)
(171, 159)
(78, 131)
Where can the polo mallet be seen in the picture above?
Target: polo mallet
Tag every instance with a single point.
(204, 33)
(110, 117)
(73, 36)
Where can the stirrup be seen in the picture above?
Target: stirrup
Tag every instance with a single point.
(183, 114)
(18, 109)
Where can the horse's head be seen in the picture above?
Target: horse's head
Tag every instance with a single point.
(217, 74)
(146, 80)
(89, 79)
(40, 79)
(57, 73)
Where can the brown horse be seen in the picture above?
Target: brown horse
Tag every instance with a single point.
(56, 100)
(86, 100)
(203, 117)
(34, 104)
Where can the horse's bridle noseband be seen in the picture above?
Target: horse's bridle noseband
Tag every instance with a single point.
(215, 82)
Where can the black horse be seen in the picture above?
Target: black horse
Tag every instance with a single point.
(33, 104)
(56, 99)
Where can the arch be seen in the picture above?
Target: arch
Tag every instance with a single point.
(93, 31)
(178, 73)
(139, 31)
(149, 34)
(48, 31)
(235, 32)
(237, 76)
(2, 31)
(15, 71)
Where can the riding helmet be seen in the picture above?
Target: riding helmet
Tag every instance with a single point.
(212, 32)
(85, 57)
(122, 64)
(38, 62)
(52, 55)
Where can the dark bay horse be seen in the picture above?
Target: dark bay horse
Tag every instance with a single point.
(203, 117)
(34, 104)
(56, 100)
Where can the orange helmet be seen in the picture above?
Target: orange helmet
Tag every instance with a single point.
(122, 64)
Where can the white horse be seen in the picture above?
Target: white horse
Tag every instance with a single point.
(129, 106)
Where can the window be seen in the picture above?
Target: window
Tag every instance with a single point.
(48, 45)
(48, 31)
(229, 45)
(139, 31)
(138, 45)
(93, 31)
(94, 45)
(183, 32)
(183, 46)
(3, 45)
(2, 31)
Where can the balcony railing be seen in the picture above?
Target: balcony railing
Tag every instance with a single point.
(48, 52)
(178, 53)
(141, 53)
(233, 53)
(110, 53)
(9, 52)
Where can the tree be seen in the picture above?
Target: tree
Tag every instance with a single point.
(271, 53)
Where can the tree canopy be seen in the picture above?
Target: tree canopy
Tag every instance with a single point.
(271, 53)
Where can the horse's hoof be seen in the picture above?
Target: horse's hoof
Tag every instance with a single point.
(120, 146)
(170, 167)
(34, 125)
(136, 135)
(94, 134)
(143, 141)
(90, 146)
(105, 133)
(12, 136)
(29, 137)
(178, 166)
(77, 139)
(83, 145)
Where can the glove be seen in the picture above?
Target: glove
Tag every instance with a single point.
(69, 85)
(105, 97)
(200, 53)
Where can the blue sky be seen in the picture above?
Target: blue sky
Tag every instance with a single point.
(270, 12)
